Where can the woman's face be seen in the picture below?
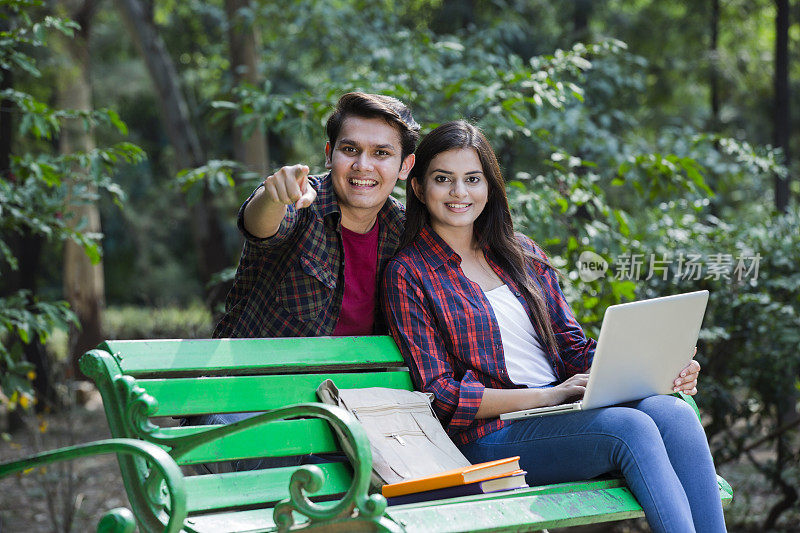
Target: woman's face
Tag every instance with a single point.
(455, 190)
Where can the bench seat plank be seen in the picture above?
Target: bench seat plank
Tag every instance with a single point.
(253, 521)
(531, 511)
(220, 491)
(208, 356)
(191, 396)
(276, 439)
(524, 510)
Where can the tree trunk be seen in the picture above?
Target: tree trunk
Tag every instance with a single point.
(243, 40)
(581, 12)
(787, 407)
(206, 228)
(174, 109)
(714, 66)
(84, 286)
(782, 118)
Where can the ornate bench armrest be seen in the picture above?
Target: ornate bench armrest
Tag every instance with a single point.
(121, 520)
(309, 479)
(138, 407)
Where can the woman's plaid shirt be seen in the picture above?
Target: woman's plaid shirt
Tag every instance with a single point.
(292, 284)
(446, 329)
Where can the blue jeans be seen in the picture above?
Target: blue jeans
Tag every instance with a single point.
(658, 444)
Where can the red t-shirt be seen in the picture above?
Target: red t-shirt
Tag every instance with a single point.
(360, 270)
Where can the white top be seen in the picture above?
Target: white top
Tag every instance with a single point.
(526, 361)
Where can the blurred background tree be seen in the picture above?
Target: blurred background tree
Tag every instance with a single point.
(647, 130)
(52, 173)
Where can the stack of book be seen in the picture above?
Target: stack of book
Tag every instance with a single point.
(494, 476)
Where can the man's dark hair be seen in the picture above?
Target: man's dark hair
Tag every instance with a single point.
(364, 105)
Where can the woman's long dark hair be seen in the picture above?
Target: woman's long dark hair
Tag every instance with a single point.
(493, 227)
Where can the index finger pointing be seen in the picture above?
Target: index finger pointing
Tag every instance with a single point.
(309, 195)
(300, 172)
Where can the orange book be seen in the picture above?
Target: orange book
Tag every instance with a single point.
(451, 478)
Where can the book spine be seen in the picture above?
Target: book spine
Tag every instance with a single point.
(436, 494)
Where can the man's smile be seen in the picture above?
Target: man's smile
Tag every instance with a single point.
(362, 182)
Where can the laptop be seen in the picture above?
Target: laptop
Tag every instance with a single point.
(640, 351)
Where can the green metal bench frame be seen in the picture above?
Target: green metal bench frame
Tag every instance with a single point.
(140, 380)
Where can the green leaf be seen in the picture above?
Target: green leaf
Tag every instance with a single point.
(622, 220)
(23, 330)
(113, 116)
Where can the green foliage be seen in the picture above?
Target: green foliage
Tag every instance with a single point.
(44, 122)
(25, 34)
(30, 320)
(39, 185)
(756, 330)
(217, 174)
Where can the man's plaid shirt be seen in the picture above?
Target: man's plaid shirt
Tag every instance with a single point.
(292, 284)
(448, 334)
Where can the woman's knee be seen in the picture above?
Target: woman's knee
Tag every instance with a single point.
(676, 420)
(666, 405)
(624, 420)
(670, 413)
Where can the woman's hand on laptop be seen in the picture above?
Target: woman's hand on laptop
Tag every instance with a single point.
(687, 379)
(498, 401)
(572, 389)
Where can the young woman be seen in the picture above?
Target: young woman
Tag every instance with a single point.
(480, 318)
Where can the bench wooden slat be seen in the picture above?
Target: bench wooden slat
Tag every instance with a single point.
(535, 508)
(220, 491)
(188, 396)
(555, 505)
(248, 355)
(275, 439)
(252, 521)
(523, 512)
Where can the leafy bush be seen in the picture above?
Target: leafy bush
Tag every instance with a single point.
(40, 184)
(131, 322)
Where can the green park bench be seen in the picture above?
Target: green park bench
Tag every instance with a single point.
(143, 381)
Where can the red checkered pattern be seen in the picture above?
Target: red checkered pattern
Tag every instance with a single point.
(447, 332)
(292, 284)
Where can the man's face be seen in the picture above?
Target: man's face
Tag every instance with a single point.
(365, 163)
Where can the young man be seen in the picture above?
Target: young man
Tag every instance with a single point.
(316, 246)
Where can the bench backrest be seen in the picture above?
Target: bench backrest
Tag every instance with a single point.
(140, 380)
